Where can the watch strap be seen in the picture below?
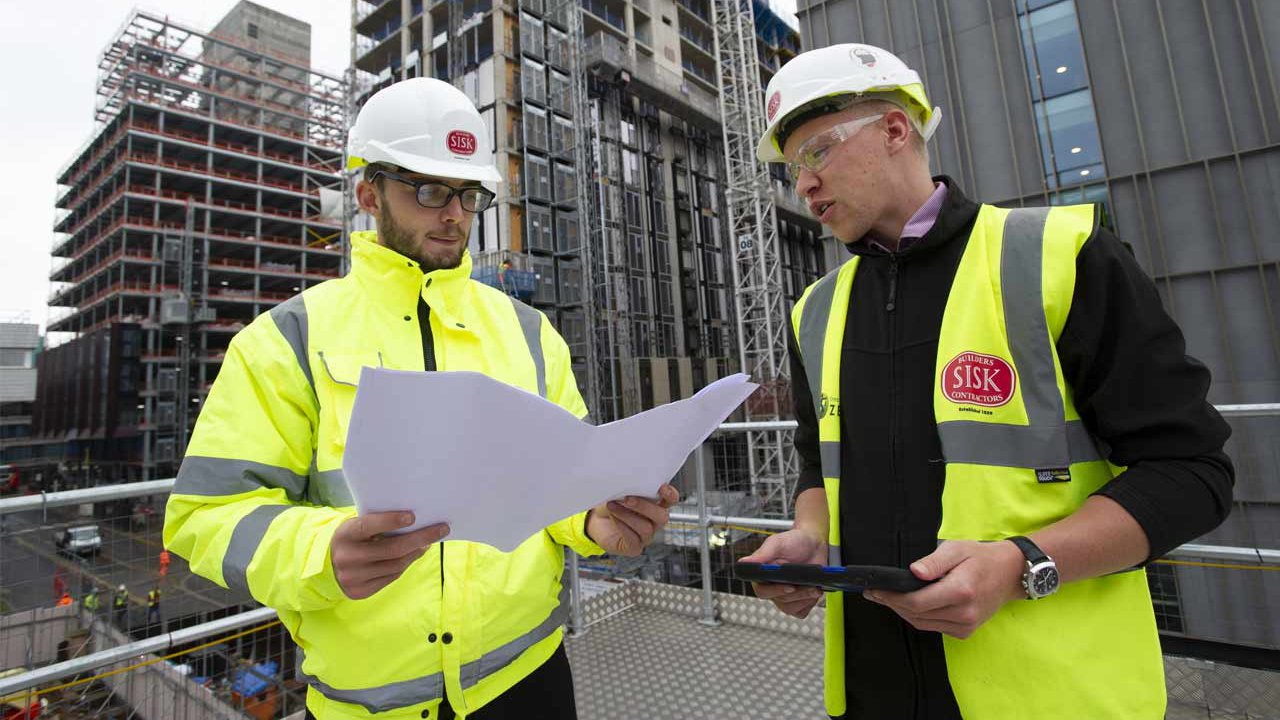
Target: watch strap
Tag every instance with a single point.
(1030, 550)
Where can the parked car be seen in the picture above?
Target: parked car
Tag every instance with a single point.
(81, 540)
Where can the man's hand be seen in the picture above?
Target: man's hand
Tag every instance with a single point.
(792, 546)
(626, 526)
(365, 560)
(977, 579)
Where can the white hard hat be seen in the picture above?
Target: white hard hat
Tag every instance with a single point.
(426, 126)
(842, 70)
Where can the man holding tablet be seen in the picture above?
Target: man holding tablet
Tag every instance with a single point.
(992, 399)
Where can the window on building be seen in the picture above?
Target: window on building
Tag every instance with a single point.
(562, 135)
(1053, 50)
(557, 47)
(570, 281)
(535, 128)
(630, 167)
(666, 305)
(635, 251)
(561, 92)
(667, 347)
(531, 37)
(538, 178)
(533, 82)
(15, 358)
(567, 240)
(252, 30)
(662, 257)
(539, 228)
(640, 296)
(166, 413)
(633, 209)
(1069, 143)
(659, 219)
(566, 186)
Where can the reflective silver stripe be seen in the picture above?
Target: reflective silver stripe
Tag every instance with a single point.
(209, 476)
(290, 317)
(830, 458)
(245, 540)
(431, 687)
(382, 698)
(498, 658)
(1018, 446)
(1021, 281)
(833, 555)
(813, 334)
(328, 487)
(531, 324)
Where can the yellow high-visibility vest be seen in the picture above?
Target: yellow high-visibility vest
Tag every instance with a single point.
(261, 492)
(1011, 437)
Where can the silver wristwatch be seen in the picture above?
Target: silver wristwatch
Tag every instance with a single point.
(1040, 579)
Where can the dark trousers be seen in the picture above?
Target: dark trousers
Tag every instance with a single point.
(545, 694)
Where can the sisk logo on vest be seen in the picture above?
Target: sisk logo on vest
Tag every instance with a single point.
(461, 142)
(975, 379)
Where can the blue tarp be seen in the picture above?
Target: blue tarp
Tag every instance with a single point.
(253, 680)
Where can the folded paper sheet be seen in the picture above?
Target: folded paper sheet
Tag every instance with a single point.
(498, 463)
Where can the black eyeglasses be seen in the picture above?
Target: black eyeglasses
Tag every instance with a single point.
(435, 194)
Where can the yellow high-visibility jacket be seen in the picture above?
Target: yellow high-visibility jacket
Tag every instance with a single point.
(261, 492)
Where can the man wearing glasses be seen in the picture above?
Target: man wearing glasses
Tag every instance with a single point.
(391, 625)
(992, 398)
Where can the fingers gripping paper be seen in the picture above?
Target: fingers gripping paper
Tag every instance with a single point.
(498, 463)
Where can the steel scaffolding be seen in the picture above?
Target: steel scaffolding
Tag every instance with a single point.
(753, 237)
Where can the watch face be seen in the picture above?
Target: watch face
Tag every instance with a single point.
(1044, 581)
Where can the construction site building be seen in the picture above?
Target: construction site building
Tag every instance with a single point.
(19, 345)
(194, 207)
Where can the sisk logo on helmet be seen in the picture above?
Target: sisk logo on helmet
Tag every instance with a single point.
(863, 56)
(461, 142)
(774, 101)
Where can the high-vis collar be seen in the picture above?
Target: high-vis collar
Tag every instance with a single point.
(395, 281)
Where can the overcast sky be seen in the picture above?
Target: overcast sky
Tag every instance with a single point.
(48, 72)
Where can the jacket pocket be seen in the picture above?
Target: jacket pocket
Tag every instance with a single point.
(336, 388)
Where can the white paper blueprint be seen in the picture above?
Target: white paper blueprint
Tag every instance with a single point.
(498, 463)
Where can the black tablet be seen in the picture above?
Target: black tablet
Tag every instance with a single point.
(849, 578)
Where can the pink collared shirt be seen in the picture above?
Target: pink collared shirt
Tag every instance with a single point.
(922, 221)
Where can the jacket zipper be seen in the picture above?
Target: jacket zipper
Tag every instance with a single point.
(893, 283)
(429, 365)
(891, 304)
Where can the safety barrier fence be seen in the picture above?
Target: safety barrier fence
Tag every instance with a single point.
(205, 652)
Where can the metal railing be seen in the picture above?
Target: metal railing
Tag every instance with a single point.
(703, 520)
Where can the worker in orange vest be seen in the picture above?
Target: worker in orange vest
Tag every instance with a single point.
(65, 599)
(164, 563)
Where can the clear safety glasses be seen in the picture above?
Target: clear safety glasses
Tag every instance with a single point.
(815, 153)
